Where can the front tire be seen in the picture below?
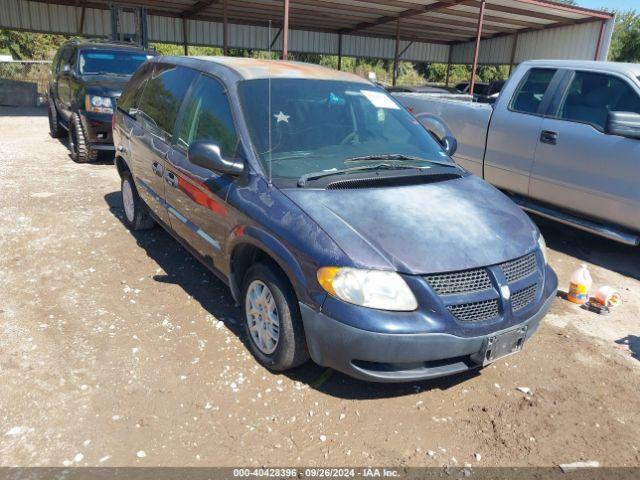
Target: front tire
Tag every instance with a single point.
(55, 129)
(81, 151)
(273, 323)
(136, 214)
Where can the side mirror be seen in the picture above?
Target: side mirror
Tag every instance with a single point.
(66, 69)
(207, 155)
(623, 124)
(450, 144)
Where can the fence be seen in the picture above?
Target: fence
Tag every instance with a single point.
(24, 82)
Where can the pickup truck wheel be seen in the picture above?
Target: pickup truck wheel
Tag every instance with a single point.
(81, 151)
(136, 214)
(273, 323)
(55, 129)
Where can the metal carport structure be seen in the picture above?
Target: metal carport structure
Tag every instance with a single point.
(449, 31)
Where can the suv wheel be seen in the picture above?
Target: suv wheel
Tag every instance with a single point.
(272, 319)
(81, 151)
(136, 215)
(55, 129)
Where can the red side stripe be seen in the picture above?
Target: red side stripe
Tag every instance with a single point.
(201, 198)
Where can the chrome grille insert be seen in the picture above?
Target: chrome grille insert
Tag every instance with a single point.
(475, 312)
(460, 282)
(519, 268)
(524, 297)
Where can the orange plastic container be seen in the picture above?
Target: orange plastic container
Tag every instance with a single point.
(580, 285)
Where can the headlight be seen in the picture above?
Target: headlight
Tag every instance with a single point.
(368, 288)
(98, 104)
(543, 248)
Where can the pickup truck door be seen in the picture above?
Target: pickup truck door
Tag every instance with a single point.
(580, 168)
(196, 196)
(515, 127)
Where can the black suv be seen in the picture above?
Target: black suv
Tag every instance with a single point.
(86, 78)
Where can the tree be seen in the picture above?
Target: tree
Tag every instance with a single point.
(30, 46)
(625, 44)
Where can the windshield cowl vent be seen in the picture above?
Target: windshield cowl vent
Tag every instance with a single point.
(396, 181)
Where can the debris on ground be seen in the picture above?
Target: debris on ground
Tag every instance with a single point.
(572, 467)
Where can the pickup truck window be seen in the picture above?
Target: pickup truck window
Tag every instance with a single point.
(591, 96)
(532, 90)
(208, 117)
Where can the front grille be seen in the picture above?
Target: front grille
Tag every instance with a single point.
(519, 268)
(460, 282)
(475, 312)
(523, 297)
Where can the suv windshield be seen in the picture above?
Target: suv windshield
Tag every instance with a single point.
(320, 125)
(117, 62)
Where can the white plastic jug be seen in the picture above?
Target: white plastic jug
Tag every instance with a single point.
(580, 285)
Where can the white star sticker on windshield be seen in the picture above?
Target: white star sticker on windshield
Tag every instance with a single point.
(281, 117)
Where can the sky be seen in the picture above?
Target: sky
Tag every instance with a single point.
(616, 4)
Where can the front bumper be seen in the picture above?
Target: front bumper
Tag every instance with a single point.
(97, 127)
(400, 357)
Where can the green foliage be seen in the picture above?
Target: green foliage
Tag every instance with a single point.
(176, 50)
(30, 46)
(625, 45)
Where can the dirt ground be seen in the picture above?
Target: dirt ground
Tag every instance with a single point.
(120, 349)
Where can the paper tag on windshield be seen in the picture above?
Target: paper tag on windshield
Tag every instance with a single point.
(380, 100)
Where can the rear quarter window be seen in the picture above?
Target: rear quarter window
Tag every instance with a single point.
(532, 90)
(128, 101)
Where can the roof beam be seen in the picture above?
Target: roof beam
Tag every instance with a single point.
(519, 11)
(462, 26)
(275, 11)
(405, 14)
(198, 7)
(544, 27)
(322, 5)
(570, 8)
(461, 15)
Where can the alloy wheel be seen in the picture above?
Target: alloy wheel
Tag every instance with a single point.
(262, 317)
(128, 201)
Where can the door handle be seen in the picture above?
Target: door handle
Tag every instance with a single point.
(549, 137)
(171, 179)
(157, 169)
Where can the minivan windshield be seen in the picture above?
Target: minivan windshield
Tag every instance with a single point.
(116, 62)
(321, 125)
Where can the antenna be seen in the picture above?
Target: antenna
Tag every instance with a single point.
(269, 101)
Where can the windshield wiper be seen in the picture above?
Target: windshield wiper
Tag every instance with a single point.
(327, 173)
(398, 156)
(119, 74)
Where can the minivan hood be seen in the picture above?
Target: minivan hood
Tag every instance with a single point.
(438, 227)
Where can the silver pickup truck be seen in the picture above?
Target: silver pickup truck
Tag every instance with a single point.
(563, 139)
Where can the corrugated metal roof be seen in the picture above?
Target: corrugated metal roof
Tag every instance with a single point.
(368, 28)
